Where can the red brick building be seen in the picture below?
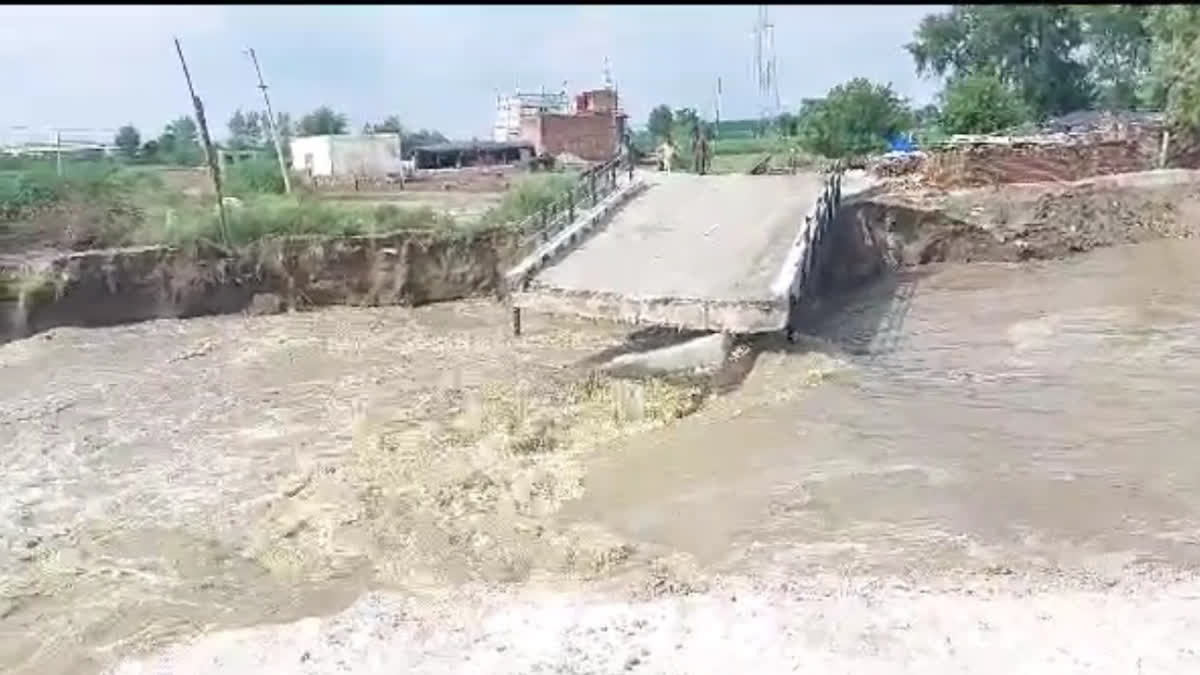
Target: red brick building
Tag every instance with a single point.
(591, 132)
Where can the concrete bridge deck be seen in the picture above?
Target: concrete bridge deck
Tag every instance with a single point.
(702, 252)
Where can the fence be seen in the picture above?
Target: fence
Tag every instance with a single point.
(594, 184)
(811, 252)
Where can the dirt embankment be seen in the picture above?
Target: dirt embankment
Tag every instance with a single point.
(107, 287)
(888, 228)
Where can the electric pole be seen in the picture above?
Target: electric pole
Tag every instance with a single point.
(283, 171)
(717, 128)
(210, 153)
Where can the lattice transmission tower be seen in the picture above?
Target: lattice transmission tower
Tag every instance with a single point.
(765, 75)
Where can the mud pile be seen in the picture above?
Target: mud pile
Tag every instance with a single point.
(888, 227)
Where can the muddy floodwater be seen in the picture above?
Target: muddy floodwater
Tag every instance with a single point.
(169, 478)
(1033, 417)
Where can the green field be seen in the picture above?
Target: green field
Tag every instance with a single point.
(107, 204)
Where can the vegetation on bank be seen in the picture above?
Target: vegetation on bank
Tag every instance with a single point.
(109, 203)
(1086, 57)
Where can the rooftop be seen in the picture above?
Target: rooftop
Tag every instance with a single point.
(476, 145)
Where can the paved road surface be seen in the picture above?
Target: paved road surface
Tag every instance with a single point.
(715, 239)
(719, 237)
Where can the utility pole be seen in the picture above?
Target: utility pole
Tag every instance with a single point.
(287, 182)
(210, 154)
(58, 152)
(717, 128)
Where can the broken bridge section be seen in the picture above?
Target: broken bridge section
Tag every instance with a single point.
(728, 253)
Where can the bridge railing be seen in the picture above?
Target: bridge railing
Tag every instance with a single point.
(592, 186)
(816, 230)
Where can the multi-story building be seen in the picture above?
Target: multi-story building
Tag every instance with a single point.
(511, 110)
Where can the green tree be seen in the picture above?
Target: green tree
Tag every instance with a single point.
(246, 130)
(390, 125)
(926, 114)
(980, 104)
(686, 118)
(1174, 78)
(179, 142)
(284, 126)
(149, 151)
(128, 140)
(322, 121)
(787, 124)
(409, 140)
(1118, 52)
(422, 138)
(1031, 48)
(661, 121)
(856, 117)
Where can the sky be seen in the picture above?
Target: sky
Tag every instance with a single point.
(435, 66)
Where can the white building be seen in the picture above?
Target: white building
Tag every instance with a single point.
(510, 110)
(347, 155)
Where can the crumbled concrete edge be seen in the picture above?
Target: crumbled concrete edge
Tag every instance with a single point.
(704, 354)
(574, 235)
(798, 266)
(732, 316)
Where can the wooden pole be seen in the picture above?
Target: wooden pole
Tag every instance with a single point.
(283, 171)
(210, 154)
(58, 153)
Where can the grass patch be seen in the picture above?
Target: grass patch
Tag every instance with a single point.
(274, 216)
(108, 204)
(742, 146)
(529, 195)
(25, 193)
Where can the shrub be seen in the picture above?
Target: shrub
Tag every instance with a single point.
(254, 176)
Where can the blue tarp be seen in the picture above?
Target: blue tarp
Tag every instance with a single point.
(901, 144)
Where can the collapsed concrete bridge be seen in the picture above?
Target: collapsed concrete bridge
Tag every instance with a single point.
(729, 253)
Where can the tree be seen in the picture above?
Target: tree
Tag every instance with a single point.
(246, 130)
(788, 124)
(179, 142)
(128, 140)
(322, 121)
(854, 118)
(149, 151)
(1031, 48)
(422, 138)
(390, 125)
(980, 104)
(927, 114)
(660, 123)
(687, 118)
(1174, 73)
(1118, 52)
(284, 126)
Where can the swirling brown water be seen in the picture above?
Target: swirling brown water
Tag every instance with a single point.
(1015, 416)
(1023, 417)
